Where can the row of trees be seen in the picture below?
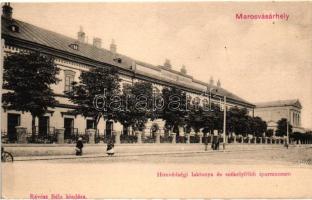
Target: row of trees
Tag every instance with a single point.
(98, 94)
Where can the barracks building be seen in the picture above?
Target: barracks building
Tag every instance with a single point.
(74, 55)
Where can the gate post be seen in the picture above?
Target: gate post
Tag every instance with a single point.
(158, 137)
(91, 134)
(173, 138)
(139, 136)
(21, 134)
(60, 135)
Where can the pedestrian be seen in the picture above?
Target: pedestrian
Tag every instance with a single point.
(79, 147)
(110, 147)
(206, 142)
(218, 142)
(214, 144)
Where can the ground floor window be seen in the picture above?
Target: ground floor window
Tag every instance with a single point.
(90, 124)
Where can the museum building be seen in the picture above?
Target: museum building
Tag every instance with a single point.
(74, 55)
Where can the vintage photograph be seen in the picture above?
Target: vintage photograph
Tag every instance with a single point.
(103, 100)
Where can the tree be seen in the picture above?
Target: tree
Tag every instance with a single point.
(269, 133)
(282, 127)
(212, 119)
(137, 109)
(195, 118)
(96, 93)
(28, 77)
(175, 108)
(258, 126)
(238, 121)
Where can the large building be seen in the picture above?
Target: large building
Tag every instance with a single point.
(73, 55)
(273, 111)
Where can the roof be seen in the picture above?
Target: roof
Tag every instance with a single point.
(280, 103)
(34, 34)
(58, 41)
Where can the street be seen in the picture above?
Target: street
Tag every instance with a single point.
(277, 173)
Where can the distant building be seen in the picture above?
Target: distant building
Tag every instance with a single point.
(273, 111)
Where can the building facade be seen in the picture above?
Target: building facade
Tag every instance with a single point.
(272, 112)
(74, 55)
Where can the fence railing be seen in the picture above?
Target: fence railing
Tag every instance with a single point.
(71, 136)
(47, 137)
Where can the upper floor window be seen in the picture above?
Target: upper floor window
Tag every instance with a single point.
(69, 79)
(156, 90)
(119, 60)
(205, 103)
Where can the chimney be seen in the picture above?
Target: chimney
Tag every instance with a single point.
(167, 63)
(211, 81)
(218, 83)
(81, 35)
(113, 46)
(97, 42)
(183, 69)
(7, 11)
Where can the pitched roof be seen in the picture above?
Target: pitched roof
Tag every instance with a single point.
(280, 103)
(58, 41)
(37, 35)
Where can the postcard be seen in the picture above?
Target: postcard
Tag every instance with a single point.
(124, 100)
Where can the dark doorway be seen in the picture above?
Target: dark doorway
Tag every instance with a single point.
(109, 129)
(13, 121)
(69, 127)
(43, 126)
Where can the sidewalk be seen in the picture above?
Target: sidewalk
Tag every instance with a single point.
(136, 153)
(31, 150)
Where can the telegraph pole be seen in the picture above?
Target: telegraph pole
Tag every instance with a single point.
(224, 123)
(287, 124)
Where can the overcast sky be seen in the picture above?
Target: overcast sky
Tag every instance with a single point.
(260, 61)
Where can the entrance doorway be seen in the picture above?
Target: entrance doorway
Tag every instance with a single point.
(13, 121)
(69, 127)
(43, 126)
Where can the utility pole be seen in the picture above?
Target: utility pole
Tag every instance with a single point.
(224, 123)
(224, 115)
(287, 124)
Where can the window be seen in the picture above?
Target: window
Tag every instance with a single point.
(156, 90)
(90, 124)
(69, 79)
(196, 101)
(118, 60)
(14, 28)
(205, 103)
(74, 46)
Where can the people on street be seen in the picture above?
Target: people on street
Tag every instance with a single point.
(79, 147)
(206, 142)
(110, 147)
(215, 142)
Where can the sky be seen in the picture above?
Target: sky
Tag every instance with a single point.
(259, 60)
